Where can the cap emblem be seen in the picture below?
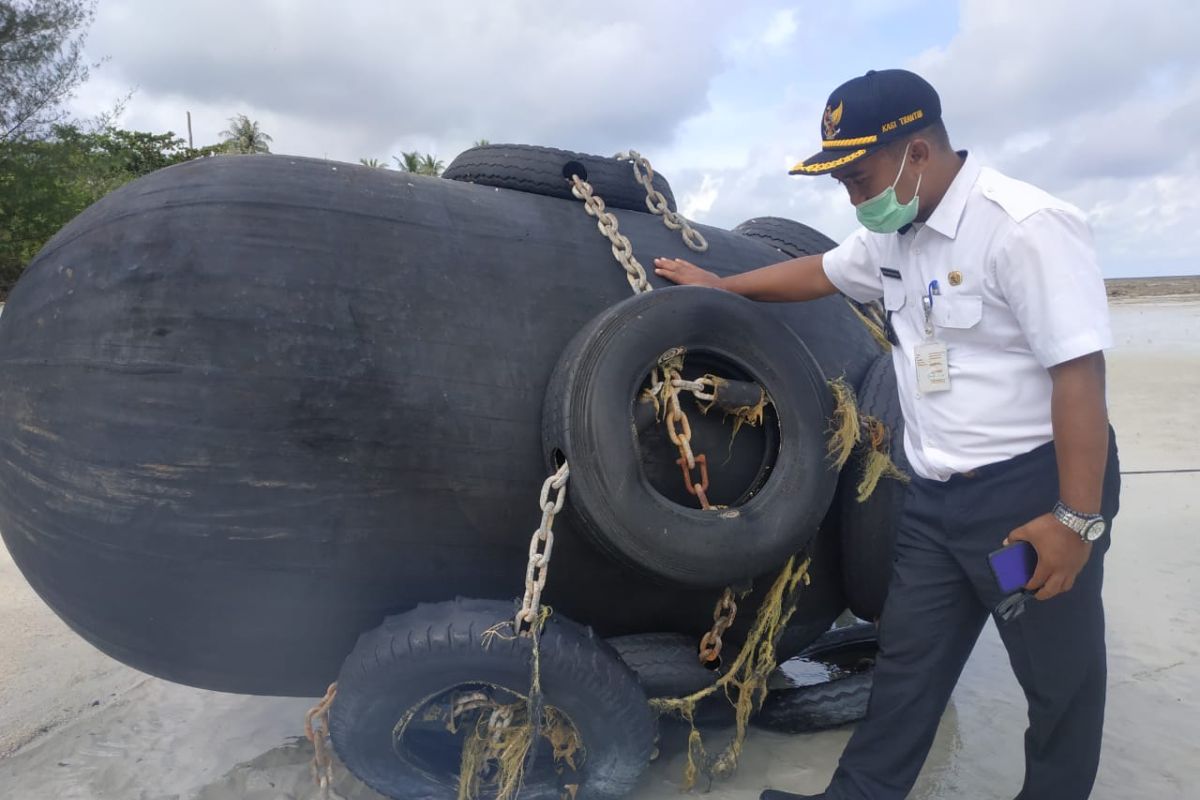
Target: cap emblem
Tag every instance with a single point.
(831, 120)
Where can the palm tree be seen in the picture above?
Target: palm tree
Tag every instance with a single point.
(431, 166)
(372, 162)
(409, 162)
(244, 136)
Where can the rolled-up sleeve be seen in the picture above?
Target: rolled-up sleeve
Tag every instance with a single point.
(1048, 272)
(853, 269)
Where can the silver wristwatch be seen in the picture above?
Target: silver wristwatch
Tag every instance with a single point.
(1090, 527)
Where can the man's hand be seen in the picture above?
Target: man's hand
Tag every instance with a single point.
(1061, 552)
(685, 272)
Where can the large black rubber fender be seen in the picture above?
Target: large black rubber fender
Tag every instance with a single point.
(547, 171)
(411, 673)
(255, 404)
(589, 409)
(868, 528)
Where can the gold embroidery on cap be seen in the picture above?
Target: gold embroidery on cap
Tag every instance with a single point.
(832, 143)
(831, 120)
(826, 165)
(955, 278)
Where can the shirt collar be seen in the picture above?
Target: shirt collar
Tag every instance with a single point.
(949, 211)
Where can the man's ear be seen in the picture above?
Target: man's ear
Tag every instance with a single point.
(920, 151)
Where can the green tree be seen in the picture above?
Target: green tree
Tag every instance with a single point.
(431, 166)
(41, 63)
(481, 143)
(373, 162)
(419, 164)
(46, 182)
(245, 136)
(409, 162)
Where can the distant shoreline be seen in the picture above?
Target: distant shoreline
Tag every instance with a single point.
(1182, 286)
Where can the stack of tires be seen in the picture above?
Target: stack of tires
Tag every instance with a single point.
(303, 410)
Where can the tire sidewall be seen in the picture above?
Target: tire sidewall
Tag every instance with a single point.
(588, 420)
(371, 701)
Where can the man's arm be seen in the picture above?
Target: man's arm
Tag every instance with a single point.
(788, 281)
(1080, 420)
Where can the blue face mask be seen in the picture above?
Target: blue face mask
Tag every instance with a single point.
(883, 213)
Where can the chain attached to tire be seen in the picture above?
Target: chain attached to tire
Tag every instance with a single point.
(643, 173)
(723, 616)
(540, 546)
(665, 394)
(622, 248)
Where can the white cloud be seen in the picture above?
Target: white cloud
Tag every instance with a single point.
(781, 28)
(1092, 99)
(374, 73)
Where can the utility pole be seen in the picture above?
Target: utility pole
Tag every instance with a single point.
(190, 145)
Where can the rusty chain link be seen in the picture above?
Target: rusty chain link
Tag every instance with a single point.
(657, 203)
(679, 427)
(540, 546)
(316, 730)
(622, 248)
(723, 616)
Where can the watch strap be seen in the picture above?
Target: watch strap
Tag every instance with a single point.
(1075, 520)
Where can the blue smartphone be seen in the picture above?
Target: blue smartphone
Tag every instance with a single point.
(1013, 566)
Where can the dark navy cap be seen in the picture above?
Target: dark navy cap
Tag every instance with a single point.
(869, 112)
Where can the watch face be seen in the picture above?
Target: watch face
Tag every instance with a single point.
(1095, 530)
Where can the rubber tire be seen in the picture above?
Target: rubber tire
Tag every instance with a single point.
(437, 646)
(667, 665)
(587, 419)
(831, 704)
(829, 644)
(789, 237)
(818, 707)
(546, 171)
(868, 529)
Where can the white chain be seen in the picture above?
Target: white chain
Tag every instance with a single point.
(540, 546)
(622, 248)
(657, 203)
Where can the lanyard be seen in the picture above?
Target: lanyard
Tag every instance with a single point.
(927, 305)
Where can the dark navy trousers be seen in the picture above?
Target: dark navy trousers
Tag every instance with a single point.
(941, 593)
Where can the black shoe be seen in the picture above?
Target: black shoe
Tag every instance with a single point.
(779, 794)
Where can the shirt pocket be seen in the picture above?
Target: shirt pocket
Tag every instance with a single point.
(893, 294)
(957, 310)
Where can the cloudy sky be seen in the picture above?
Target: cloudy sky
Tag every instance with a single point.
(1097, 101)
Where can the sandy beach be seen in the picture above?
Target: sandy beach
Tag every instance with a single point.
(76, 725)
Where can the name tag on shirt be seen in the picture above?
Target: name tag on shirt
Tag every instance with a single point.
(933, 367)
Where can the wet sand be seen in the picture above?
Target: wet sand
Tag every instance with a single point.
(76, 725)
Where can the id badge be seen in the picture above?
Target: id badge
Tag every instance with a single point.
(933, 367)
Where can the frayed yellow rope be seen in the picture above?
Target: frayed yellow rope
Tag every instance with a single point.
(504, 733)
(844, 429)
(877, 332)
(748, 675)
(878, 463)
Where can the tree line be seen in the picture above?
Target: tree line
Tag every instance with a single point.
(52, 166)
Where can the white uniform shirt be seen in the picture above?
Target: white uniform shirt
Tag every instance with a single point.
(1020, 291)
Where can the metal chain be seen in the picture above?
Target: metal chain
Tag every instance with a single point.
(679, 429)
(723, 616)
(622, 248)
(316, 730)
(540, 546)
(657, 203)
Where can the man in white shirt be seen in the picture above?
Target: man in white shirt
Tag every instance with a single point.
(998, 316)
